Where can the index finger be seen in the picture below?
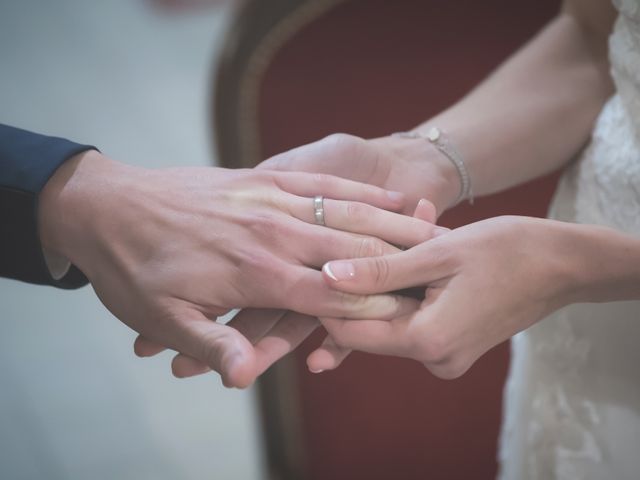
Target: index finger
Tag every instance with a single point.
(417, 266)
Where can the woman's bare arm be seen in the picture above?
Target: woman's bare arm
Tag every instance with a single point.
(536, 111)
(531, 116)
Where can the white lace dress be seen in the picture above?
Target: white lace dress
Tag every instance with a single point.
(572, 400)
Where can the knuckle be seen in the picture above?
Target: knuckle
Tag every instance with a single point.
(380, 270)
(341, 140)
(259, 278)
(435, 352)
(261, 175)
(343, 144)
(433, 347)
(449, 370)
(322, 180)
(369, 247)
(271, 229)
(254, 262)
(355, 212)
(167, 320)
(265, 225)
(414, 341)
(277, 162)
(262, 179)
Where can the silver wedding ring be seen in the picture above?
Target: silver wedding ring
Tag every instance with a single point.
(318, 209)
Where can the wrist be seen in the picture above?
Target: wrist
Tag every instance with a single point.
(583, 263)
(553, 259)
(74, 200)
(605, 265)
(427, 172)
(449, 183)
(559, 259)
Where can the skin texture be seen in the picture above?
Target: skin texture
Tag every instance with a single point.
(540, 122)
(273, 333)
(484, 282)
(525, 120)
(481, 282)
(412, 166)
(168, 251)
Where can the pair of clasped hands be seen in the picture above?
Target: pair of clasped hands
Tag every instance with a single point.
(169, 251)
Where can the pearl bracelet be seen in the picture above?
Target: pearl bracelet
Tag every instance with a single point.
(437, 138)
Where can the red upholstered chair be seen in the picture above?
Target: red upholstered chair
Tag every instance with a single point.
(293, 71)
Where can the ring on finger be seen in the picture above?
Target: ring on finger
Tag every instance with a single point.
(318, 209)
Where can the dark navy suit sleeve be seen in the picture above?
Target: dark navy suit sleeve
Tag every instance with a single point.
(27, 161)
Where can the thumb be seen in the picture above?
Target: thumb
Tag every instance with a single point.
(413, 267)
(218, 346)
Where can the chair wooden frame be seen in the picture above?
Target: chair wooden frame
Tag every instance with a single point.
(257, 31)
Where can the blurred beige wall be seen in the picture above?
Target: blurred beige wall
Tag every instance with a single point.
(75, 403)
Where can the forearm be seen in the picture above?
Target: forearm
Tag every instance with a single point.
(605, 265)
(536, 111)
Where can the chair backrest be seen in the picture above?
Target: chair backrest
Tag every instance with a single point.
(293, 71)
(258, 31)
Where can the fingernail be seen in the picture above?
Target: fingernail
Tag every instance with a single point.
(440, 231)
(316, 371)
(339, 271)
(395, 197)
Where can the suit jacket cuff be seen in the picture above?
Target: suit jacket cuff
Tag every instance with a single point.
(27, 161)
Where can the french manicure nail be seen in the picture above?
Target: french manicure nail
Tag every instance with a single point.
(339, 271)
(440, 231)
(316, 371)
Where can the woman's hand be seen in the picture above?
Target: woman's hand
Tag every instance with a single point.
(168, 251)
(412, 166)
(483, 283)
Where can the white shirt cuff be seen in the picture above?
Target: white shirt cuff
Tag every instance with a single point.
(58, 266)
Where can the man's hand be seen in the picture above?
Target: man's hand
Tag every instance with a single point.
(412, 166)
(273, 333)
(168, 251)
(483, 283)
